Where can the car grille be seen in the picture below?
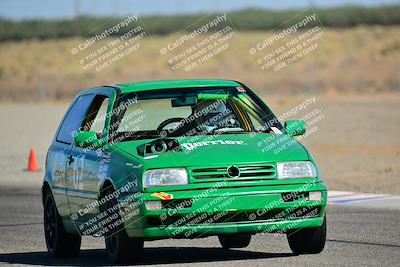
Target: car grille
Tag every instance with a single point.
(246, 172)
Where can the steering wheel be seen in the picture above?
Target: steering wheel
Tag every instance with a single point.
(168, 121)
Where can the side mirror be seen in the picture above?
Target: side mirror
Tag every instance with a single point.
(87, 139)
(295, 127)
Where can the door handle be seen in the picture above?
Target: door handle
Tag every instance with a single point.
(70, 159)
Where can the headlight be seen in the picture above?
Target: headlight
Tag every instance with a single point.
(162, 177)
(296, 169)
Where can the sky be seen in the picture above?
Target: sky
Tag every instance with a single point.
(59, 9)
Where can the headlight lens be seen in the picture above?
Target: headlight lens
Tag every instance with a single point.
(162, 177)
(296, 169)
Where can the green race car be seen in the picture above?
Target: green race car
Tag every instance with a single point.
(178, 159)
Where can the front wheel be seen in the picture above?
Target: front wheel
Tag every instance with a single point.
(59, 243)
(234, 240)
(308, 240)
(120, 248)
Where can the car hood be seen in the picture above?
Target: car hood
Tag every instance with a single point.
(222, 149)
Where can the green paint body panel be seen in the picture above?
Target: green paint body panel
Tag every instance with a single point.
(120, 164)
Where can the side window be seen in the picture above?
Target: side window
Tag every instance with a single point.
(74, 119)
(96, 118)
(256, 123)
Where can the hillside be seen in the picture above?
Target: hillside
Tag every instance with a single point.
(364, 59)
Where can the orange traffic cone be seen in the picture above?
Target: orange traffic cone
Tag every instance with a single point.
(32, 164)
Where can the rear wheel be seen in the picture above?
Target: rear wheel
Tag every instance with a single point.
(120, 248)
(308, 240)
(234, 240)
(59, 243)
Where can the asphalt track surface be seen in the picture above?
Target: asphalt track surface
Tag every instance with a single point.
(357, 236)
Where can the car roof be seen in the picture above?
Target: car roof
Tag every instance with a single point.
(170, 84)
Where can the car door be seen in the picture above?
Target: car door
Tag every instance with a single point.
(57, 155)
(86, 167)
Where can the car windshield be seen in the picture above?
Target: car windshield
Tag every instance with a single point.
(189, 112)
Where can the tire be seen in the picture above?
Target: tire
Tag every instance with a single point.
(308, 240)
(234, 240)
(59, 243)
(120, 248)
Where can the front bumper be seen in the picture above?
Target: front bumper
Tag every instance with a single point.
(213, 211)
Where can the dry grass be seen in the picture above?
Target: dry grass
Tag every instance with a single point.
(363, 59)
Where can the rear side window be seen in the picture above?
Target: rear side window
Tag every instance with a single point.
(97, 115)
(74, 119)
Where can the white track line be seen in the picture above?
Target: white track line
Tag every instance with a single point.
(348, 198)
